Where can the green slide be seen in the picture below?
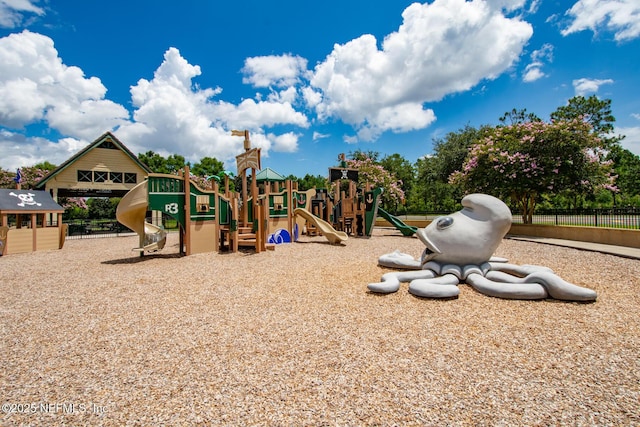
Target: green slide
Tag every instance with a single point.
(407, 230)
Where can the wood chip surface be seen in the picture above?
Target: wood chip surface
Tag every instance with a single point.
(94, 335)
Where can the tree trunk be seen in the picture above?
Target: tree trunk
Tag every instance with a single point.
(527, 203)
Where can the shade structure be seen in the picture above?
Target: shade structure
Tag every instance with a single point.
(269, 175)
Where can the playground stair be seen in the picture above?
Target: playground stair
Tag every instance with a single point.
(246, 236)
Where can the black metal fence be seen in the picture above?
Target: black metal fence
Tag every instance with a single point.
(628, 218)
(95, 228)
(91, 229)
(608, 218)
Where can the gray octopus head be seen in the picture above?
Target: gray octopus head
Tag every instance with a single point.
(469, 236)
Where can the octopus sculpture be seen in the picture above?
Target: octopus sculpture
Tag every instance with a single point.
(459, 249)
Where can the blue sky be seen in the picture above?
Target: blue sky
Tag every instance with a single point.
(308, 80)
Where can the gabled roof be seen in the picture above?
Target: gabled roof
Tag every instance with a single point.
(269, 175)
(106, 137)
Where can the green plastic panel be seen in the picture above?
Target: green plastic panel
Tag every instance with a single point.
(166, 194)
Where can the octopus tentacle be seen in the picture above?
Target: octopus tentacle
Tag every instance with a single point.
(397, 259)
(561, 289)
(438, 287)
(506, 290)
(391, 281)
(518, 270)
(501, 276)
(556, 287)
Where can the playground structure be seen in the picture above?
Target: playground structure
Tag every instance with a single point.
(350, 210)
(132, 211)
(267, 209)
(216, 219)
(321, 226)
(211, 219)
(405, 229)
(29, 221)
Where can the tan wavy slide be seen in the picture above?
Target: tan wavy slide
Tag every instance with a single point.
(131, 212)
(332, 235)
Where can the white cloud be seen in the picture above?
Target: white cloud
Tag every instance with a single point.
(350, 139)
(534, 6)
(287, 143)
(13, 12)
(586, 86)
(533, 71)
(396, 118)
(508, 5)
(632, 138)
(19, 150)
(622, 17)
(440, 49)
(36, 86)
(252, 114)
(279, 71)
(288, 95)
(173, 115)
(318, 135)
(311, 97)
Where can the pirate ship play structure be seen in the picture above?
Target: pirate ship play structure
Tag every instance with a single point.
(29, 220)
(217, 219)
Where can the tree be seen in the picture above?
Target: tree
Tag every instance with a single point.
(526, 160)
(432, 188)
(46, 165)
(518, 116)
(402, 169)
(311, 181)
(594, 111)
(29, 177)
(101, 208)
(626, 166)
(364, 155)
(430, 193)
(73, 210)
(159, 164)
(175, 162)
(451, 151)
(7, 179)
(154, 161)
(207, 166)
(376, 175)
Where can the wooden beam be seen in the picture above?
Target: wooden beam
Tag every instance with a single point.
(187, 209)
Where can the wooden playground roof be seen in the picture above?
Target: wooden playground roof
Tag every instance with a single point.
(27, 201)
